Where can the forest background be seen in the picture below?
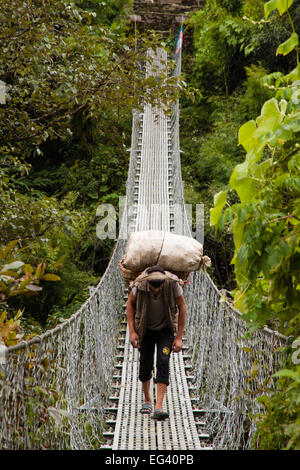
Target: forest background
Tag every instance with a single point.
(65, 130)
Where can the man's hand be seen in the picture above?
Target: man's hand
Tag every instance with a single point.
(130, 308)
(134, 339)
(177, 345)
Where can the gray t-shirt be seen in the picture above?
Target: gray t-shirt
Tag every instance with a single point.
(157, 316)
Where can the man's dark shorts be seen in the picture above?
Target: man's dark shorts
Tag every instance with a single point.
(163, 339)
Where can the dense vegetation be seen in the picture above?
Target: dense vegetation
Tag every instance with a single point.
(243, 161)
(68, 69)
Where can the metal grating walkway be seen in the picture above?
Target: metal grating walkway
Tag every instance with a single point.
(134, 431)
(153, 212)
(127, 427)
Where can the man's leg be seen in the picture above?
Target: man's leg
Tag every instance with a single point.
(164, 346)
(146, 390)
(146, 365)
(160, 394)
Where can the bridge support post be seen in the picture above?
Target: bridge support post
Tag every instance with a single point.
(3, 356)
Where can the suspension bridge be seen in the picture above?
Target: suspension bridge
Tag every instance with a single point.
(76, 386)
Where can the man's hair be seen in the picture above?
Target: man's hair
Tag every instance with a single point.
(155, 268)
(156, 282)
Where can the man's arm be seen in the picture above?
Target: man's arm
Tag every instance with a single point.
(177, 343)
(130, 309)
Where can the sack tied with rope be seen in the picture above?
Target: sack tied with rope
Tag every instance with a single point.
(175, 253)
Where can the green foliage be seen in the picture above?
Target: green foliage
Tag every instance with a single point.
(253, 9)
(267, 33)
(69, 69)
(28, 216)
(254, 93)
(266, 220)
(209, 130)
(281, 5)
(228, 40)
(220, 40)
(265, 224)
(9, 328)
(75, 250)
(17, 279)
(210, 124)
(94, 163)
(232, 6)
(67, 65)
(279, 426)
(108, 12)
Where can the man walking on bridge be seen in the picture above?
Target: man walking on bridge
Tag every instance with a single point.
(156, 315)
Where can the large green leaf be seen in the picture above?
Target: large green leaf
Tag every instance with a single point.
(269, 7)
(281, 5)
(259, 170)
(286, 373)
(289, 45)
(271, 109)
(242, 182)
(246, 133)
(238, 232)
(219, 202)
(284, 5)
(268, 121)
(294, 74)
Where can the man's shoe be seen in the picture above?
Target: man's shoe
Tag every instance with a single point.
(146, 409)
(160, 415)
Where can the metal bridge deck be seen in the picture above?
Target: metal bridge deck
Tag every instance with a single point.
(132, 430)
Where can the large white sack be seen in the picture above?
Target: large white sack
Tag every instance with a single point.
(172, 252)
(143, 249)
(180, 253)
